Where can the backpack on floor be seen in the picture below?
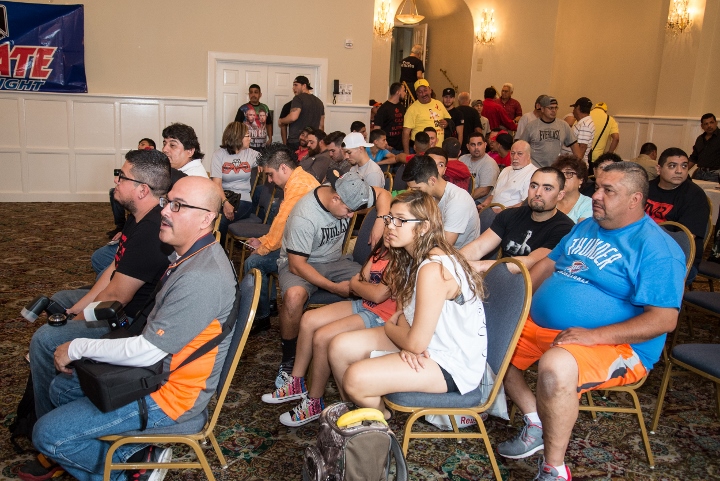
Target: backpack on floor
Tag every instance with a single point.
(360, 451)
(25, 417)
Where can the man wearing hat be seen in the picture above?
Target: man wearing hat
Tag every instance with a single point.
(354, 149)
(311, 256)
(425, 112)
(548, 134)
(607, 134)
(306, 110)
(583, 128)
(456, 128)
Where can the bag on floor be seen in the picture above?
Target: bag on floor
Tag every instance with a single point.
(361, 450)
(25, 417)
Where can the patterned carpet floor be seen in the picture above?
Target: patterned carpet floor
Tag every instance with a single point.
(47, 247)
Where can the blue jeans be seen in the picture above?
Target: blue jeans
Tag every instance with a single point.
(709, 175)
(103, 257)
(68, 434)
(242, 210)
(47, 339)
(265, 264)
(117, 210)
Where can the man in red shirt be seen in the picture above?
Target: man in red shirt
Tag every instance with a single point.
(495, 113)
(512, 107)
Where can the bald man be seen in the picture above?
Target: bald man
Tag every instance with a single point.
(512, 184)
(412, 69)
(194, 302)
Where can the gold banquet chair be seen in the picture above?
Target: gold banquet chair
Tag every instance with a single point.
(507, 305)
(200, 428)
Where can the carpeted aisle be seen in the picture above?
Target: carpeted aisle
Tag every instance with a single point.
(47, 246)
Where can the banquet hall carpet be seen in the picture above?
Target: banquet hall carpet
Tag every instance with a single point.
(47, 246)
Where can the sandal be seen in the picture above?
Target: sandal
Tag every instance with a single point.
(40, 469)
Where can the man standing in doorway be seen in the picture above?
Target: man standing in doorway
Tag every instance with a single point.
(257, 117)
(306, 110)
(412, 69)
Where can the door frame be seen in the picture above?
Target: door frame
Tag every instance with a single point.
(321, 64)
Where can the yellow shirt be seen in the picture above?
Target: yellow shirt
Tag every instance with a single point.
(419, 116)
(298, 184)
(599, 118)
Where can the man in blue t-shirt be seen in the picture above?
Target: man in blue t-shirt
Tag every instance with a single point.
(604, 300)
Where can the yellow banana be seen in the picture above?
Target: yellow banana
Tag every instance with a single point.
(359, 415)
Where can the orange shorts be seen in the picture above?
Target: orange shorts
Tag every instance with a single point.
(599, 367)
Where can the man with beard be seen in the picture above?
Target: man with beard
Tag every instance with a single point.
(529, 232)
(513, 182)
(257, 117)
(331, 157)
(425, 112)
(314, 144)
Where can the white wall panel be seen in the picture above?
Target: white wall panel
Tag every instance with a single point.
(94, 172)
(339, 117)
(662, 131)
(46, 124)
(94, 125)
(9, 123)
(63, 148)
(138, 121)
(48, 173)
(11, 168)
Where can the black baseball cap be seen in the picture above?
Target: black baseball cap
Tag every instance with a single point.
(303, 80)
(448, 92)
(583, 102)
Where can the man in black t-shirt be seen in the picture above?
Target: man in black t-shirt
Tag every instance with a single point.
(306, 110)
(140, 261)
(528, 232)
(674, 197)
(471, 117)
(390, 116)
(454, 129)
(411, 69)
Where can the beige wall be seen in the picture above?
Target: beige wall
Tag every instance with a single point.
(160, 47)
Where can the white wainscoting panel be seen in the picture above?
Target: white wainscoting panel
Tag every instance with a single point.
(63, 148)
(664, 132)
(340, 116)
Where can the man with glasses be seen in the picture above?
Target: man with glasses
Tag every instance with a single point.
(191, 307)
(548, 134)
(138, 264)
(311, 256)
(529, 232)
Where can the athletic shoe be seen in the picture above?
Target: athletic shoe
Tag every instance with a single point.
(308, 410)
(152, 454)
(294, 388)
(285, 368)
(527, 442)
(40, 469)
(549, 473)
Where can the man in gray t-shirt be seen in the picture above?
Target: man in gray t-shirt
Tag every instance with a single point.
(355, 153)
(483, 167)
(461, 221)
(306, 110)
(548, 134)
(311, 256)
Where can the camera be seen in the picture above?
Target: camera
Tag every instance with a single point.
(110, 311)
(41, 303)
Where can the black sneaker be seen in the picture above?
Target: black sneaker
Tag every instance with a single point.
(260, 325)
(151, 454)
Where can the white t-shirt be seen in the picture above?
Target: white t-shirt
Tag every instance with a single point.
(512, 185)
(584, 130)
(234, 170)
(459, 214)
(370, 173)
(485, 169)
(459, 343)
(194, 167)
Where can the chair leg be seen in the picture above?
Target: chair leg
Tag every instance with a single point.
(513, 412)
(408, 431)
(591, 404)
(489, 449)
(661, 396)
(717, 397)
(643, 429)
(202, 459)
(218, 452)
(711, 285)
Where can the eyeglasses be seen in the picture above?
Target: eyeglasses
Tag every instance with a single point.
(396, 221)
(569, 174)
(119, 174)
(175, 205)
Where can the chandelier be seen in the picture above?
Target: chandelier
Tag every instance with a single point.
(485, 33)
(383, 25)
(679, 17)
(409, 18)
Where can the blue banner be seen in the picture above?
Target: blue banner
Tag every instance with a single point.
(42, 48)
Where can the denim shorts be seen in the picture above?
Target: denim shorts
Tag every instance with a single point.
(369, 318)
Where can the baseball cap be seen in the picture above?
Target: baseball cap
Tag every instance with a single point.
(355, 140)
(355, 193)
(547, 101)
(601, 105)
(422, 82)
(448, 92)
(303, 80)
(583, 102)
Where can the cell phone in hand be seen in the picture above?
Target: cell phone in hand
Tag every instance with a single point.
(247, 245)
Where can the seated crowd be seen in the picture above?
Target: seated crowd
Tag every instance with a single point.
(412, 316)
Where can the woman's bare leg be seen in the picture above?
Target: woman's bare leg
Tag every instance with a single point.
(311, 321)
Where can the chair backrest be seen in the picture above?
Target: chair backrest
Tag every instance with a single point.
(388, 181)
(249, 297)
(216, 228)
(253, 180)
(685, 240)
(709, 231)
(507, 304)
(265, 200)
(361, 251)
(348, 234)
(398, 183)
(487, 216)
(471, 183)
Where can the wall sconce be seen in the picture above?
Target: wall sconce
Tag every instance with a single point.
(485, 33)
(383, 24)
(409, 18)
(679, 17)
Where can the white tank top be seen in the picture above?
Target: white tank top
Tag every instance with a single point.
(459, 343)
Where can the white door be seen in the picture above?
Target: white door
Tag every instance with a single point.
(275, 81)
